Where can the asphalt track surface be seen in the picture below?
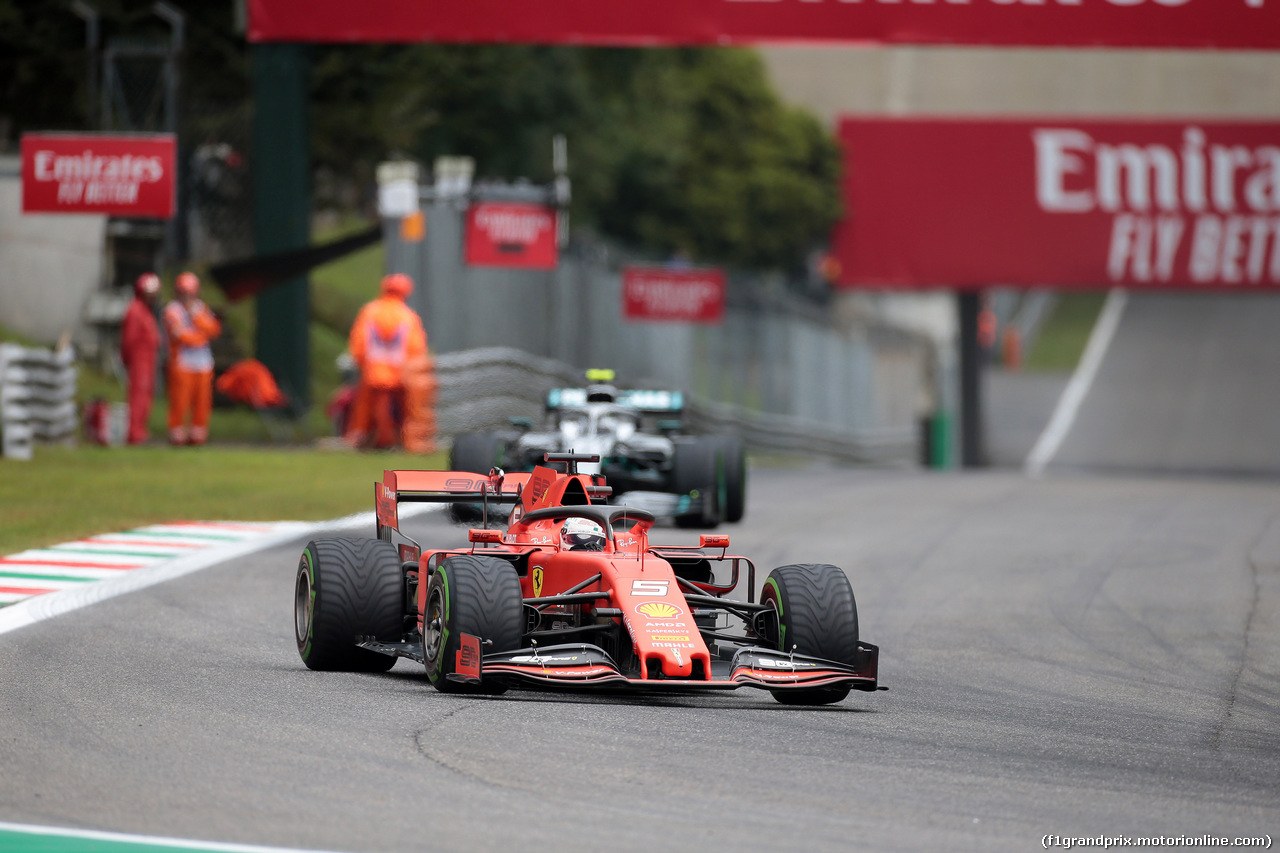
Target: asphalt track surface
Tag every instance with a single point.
(1190, 384)
(1071, 655)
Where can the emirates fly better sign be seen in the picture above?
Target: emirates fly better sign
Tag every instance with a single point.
(98, 173)
(1253, 24)
(1156, 204)
(678, 295)
(512, 234)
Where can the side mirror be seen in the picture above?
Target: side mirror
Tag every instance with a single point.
(481, 534)
(713, 540)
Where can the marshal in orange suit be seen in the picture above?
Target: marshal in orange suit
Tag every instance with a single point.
(386, 337)
(190, 326)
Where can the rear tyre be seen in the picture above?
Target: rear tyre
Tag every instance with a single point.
(696, 471)
(470, 594)
(479, 453)
(817, 616)
(734, 461)
(346, 589)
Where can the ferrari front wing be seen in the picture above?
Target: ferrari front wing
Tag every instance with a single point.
(585, 665)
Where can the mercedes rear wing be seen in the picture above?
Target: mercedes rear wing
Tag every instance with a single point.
(646, 401)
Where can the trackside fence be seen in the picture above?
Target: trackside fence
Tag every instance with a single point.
(778, 369)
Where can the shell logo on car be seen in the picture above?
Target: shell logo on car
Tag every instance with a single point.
(659, 610)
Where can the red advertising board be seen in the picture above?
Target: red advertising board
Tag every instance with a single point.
(1060, 201)
(512, 234)
(673, 295)
(1112, 23)
(98, 173)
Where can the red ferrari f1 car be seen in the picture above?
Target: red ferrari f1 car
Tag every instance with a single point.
(571, 594)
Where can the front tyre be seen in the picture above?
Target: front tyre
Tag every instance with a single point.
(817, 616)
(345, 589)
(469, 594)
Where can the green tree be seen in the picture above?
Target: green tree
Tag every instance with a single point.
(710, 163)
(677, 150)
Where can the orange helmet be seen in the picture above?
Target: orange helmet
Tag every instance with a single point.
(187, 284)
(148, 284)
(397, 284)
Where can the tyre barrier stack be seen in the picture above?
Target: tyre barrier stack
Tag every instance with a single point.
(37, 398)
(482, 389)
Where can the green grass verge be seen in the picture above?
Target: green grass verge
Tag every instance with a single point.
(1065, 333)
(66, 494)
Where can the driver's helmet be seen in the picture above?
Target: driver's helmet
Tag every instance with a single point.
(581, 534)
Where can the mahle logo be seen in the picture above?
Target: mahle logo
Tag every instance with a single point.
(659, 610)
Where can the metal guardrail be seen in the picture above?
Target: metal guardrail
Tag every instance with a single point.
(484, 388)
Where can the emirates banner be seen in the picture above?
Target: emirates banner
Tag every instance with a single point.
(511, 234)
(99, 173)
(1065, 202)
(1111, 23)
(673, 295)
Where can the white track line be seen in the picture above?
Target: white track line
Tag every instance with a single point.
(124, 838)
(1069, 403)
(40, 607)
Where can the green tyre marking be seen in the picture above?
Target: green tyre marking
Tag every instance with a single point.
(782, 629)
(444, 630)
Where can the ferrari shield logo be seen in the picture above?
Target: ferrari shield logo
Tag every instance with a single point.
(537, 582)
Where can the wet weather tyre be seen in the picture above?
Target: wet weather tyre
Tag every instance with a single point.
(346, 589)
(697, 472)
(470, 594)
(818, 616)
(734, 462)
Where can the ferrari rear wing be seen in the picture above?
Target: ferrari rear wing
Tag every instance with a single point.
(441, 487)
(453, 486)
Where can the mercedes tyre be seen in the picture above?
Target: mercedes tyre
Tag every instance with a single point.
(698, 474)
(734, 462)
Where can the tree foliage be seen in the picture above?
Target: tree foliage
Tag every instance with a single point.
(684, 151)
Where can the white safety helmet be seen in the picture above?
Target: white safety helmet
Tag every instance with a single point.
(581, 534)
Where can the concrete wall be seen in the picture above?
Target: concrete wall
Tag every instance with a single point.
(953, 80)
(49, 264)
